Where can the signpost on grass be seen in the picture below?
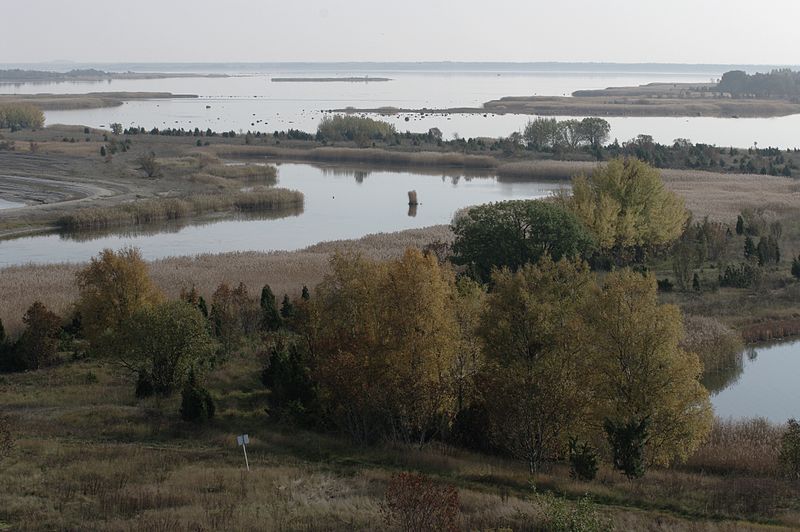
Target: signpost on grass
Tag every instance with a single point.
(243, 440)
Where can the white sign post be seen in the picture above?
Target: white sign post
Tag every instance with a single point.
(243, 440)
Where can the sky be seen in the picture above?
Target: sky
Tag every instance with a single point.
(680, 31)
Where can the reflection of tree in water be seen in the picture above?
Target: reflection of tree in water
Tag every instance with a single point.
(174, 226)
(339, 171)
(728, 374)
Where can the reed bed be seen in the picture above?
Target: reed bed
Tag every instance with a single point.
(749, 446)
(545, 169)
(363, 155)
(285, 271)
(715, 343)
(262, 172)
(161, 209)
(771, 330)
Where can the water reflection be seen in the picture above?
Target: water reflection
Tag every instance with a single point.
(758, 382)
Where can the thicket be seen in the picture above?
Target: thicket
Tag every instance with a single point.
(20, 116)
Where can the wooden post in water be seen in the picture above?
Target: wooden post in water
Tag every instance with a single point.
(412, 197)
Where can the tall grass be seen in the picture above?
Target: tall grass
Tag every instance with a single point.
(153, 210)
(772, 330)
(262, 172)
(715, 343)
(20, 116)
(545, 169)
(749, 446)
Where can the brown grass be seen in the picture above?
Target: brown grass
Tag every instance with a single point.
(722, 197)
(748, 446)
(361, 155)
(285, 272)
(545, 169)
(771, 330)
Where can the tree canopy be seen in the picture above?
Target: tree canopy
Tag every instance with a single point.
(514, 233)
(625, 205)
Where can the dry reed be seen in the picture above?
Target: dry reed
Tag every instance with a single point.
(153, 210)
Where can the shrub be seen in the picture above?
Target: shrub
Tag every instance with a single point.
(6, 440)
(582, 516)
(415, 503)
(20, 116)
(38, 345)
(790, 449)
(744, 275)
(582, 460)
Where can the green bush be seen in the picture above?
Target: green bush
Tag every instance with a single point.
(20, 116)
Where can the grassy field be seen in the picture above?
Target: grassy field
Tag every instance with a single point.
(89, 455)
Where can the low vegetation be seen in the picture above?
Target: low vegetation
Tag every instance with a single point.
(155, 210)
(20, 116)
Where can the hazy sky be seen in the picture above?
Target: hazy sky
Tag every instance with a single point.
(689, 31)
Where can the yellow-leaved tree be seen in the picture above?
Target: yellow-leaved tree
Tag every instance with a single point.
(537, 389)
(625, 204)
(385, 338)
(113, 287)
(641, 372)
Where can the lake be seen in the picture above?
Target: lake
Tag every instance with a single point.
(250, 101)
(762, 383)
(340, 203)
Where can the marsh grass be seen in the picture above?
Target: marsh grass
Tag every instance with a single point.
(161, 209)
(362, 155)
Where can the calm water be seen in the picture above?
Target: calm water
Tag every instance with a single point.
(340, 203)
(5, 204)
(253, 102)
(763, 383)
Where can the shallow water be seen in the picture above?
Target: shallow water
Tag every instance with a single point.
(253, 102)
(764, 383)
(340, 203)
(5, 204)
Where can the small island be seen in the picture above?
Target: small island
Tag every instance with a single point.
(737, 94)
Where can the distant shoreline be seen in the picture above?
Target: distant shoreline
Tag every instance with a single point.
(365, 79)
(91, 100)
(43, 76)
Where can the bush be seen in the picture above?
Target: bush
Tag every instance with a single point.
(744, 275)
(415, 503)
(582, 460)
(583, 516)
(197, 405)
(20, 116)
(6, 440)
(790, 449)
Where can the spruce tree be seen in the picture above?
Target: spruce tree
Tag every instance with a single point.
(202, 306)
(270, 317)
(305, 295)
(749, 248)
(696, 282)
(102, 151)
(739, 225)
(287, 308)
(197, 405)
(628, 440)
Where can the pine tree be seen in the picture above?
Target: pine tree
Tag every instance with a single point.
(305, 295)
(749, 247)
(739, 225)
(287, 308)
(271, 318)
(202, 306)
(197, 405)
(628, 440)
